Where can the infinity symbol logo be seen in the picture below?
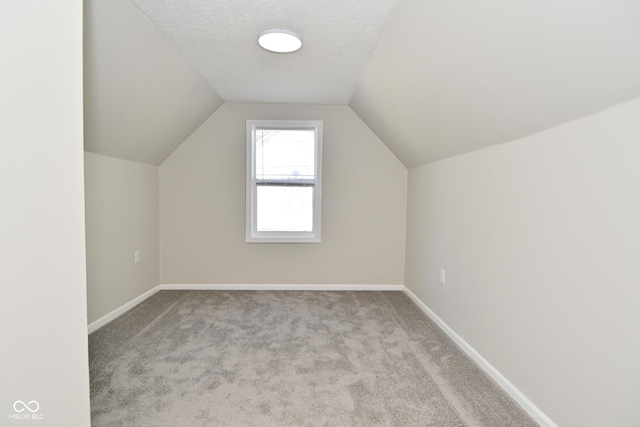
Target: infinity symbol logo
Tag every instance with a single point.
(20, 404)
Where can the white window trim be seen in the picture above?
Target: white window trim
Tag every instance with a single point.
(252, 235)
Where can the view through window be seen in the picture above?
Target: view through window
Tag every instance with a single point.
(284, 180)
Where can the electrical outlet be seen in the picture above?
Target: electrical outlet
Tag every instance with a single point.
(443, 276)
(136, 256)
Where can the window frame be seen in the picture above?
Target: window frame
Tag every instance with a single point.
(252, 235)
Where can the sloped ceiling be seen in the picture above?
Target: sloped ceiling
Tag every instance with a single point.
(141, 98)
(432, 78)
(454, 76)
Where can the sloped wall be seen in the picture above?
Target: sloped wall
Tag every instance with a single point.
(141, 98)
(449, 77)
(540, 241)
(202, 206)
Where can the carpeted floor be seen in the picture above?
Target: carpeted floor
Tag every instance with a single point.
(266, 358)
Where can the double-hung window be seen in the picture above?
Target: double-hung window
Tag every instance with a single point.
(284, 164)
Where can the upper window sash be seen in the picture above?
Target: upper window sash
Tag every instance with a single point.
(271, 172)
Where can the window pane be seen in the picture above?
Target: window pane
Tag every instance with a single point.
(285, 154)
(284, 208)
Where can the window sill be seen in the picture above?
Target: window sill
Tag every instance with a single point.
(282, 239)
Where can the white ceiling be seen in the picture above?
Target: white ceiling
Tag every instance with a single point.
(219, 38)
(432, 78)
(454, 76)
(141, 99)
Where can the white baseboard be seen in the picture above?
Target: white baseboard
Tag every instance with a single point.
(531, 409)
(121, 310)
(290, 287)
(504, 383)
(128, 306)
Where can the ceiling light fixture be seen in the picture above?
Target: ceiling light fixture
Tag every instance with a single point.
(279, 41)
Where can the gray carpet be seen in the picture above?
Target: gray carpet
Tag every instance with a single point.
(265, 358)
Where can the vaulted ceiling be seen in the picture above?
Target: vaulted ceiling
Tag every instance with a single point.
(457, 75)
(431, 78)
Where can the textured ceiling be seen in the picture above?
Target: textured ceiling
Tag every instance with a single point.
(219, 38)
(431, 78)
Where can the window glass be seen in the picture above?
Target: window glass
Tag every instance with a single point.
(285, 154)
(285, 208)
(283, 181)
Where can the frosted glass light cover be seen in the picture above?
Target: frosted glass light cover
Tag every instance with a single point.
(280, 41)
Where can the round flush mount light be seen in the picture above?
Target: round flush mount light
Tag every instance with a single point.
(279, 41)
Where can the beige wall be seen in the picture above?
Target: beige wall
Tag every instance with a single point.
(42, 260)
(202, 206)
(540, 239)
(122, 215)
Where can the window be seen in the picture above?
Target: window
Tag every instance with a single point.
(283, 181)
